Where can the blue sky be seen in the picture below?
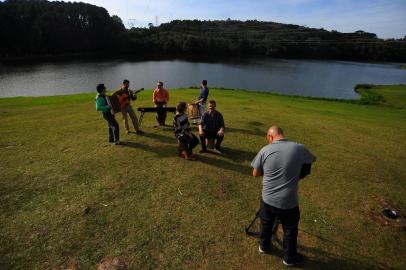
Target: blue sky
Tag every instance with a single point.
(387, 18)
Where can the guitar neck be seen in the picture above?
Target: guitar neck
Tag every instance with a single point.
(137, 91)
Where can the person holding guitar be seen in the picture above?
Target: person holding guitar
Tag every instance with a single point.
(125, 95)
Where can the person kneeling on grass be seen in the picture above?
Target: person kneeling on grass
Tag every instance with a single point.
(211, 127)
(102, 105)
(183, 132)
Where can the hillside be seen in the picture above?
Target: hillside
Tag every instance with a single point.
(264, 38)
(30, 28)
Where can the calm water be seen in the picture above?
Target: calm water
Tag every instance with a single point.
(335, 79)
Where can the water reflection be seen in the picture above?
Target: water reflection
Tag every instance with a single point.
(334, 79)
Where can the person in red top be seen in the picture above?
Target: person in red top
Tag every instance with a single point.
(160, 97)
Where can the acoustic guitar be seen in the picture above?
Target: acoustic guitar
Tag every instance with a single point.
(124, 99)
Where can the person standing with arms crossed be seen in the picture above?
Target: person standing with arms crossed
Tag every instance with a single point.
(127, 108)
(280, 164)
(160, 98)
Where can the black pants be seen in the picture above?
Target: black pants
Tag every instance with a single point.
(114, 132)
(289, 218)
(161, 113)
(211, 135)
(187, 143)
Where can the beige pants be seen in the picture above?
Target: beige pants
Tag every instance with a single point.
(129, 110)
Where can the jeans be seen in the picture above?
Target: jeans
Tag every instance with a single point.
(211, 135)
(129, 110)
(289, 218)
(187, 143)
(161, 113)
(114, 132)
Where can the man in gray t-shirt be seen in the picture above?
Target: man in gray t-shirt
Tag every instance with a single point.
(281, 163)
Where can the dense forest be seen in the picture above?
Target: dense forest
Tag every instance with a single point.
(39, 27)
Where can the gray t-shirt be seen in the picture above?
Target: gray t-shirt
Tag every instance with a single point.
(280, 163)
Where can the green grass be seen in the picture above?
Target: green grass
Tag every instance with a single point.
(403, 67)
(388, 95)
(157, 211)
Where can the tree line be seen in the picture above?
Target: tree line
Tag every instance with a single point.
(38, 27)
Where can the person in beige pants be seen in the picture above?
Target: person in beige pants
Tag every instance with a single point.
(127, 109)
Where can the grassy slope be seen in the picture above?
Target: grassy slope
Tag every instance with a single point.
(388, 95)
(158, 211)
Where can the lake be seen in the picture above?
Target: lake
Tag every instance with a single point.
(332, 79)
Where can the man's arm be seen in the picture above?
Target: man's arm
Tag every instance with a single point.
(222, 127)
(257, 173)
(118, 92)
(100, 106)
(257, 166)
(201, 132)
(199, 100)
(154, 97)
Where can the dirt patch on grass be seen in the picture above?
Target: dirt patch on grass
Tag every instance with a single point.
(72, 264)
(375, 214)
(116, 263)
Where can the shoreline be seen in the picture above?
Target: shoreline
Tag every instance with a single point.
(96, 57)
(368, 94)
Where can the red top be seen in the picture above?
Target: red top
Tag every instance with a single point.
(161, 95)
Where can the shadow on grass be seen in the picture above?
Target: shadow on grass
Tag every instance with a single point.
(252, 132)
(222, 164)
(321, 259)
(161, 138)
(317, 258)
(238, 155)
(162, 150)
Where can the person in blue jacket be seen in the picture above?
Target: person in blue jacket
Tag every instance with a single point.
(103, 106)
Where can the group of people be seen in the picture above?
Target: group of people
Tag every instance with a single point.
(281, 163)
(210, 123)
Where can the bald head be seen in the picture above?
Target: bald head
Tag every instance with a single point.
(275, 133)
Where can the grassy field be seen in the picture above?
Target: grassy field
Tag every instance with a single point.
(387, 95)
(156, 211)
(403, 67)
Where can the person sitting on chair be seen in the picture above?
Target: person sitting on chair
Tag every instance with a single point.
(160, 97)
(211, 127)
(183, 132)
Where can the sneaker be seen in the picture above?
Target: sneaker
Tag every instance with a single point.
(294, 261)
(215, 150)
(127, 132)
(117, 143)
(139, 132)
(263, 251)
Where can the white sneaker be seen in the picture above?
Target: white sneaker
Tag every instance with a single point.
(262, 251)
(217, 151)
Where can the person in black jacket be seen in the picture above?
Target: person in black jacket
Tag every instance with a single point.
(211, 127)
